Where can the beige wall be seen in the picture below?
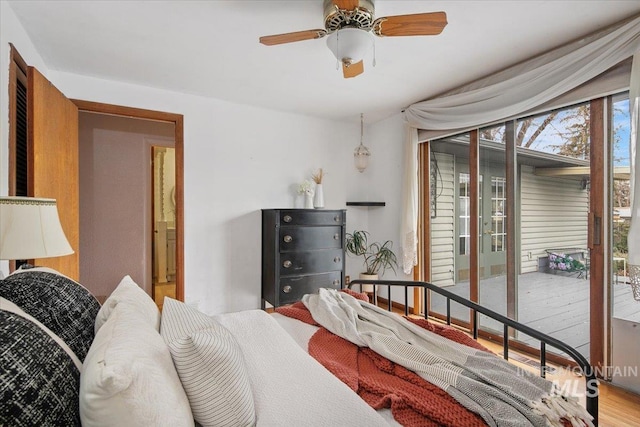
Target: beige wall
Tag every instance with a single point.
(115, 199)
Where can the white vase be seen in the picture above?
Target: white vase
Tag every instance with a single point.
(318, 201)
(308, 201)
(368, 288)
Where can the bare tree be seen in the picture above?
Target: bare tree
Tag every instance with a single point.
(575, 135)
(496, 133)
(522, 130)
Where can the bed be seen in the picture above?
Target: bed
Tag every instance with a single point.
(67, 360)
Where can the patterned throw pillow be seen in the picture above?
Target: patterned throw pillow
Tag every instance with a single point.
(38, 381)
(61, 304)
(10, 307)
(210, 365)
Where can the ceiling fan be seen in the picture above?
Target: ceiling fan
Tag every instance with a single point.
(350, 25)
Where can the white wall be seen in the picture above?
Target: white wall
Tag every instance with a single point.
(386, 182)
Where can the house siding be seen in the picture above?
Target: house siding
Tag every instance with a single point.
(554, 214)
(442, 226)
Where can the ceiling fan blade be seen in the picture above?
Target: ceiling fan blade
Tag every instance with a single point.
(346, 4)
(419, 24)
(292, 37)
(352, 70)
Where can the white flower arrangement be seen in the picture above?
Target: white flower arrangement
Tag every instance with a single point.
(306, 187)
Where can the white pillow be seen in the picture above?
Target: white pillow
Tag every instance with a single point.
(210, 365)
(128, 378)
(137, 300)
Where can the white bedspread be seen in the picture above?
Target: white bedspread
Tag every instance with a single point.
(301, 333)
(290, 387)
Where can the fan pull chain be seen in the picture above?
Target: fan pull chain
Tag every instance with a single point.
(374, 54)
(338, 51)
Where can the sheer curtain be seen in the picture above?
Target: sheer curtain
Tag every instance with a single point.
(518, 89)
(410, 201)
(633, 238)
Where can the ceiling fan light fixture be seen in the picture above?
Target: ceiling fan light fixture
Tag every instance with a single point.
(350, 45)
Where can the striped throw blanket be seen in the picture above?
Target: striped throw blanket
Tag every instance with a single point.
(489, 386)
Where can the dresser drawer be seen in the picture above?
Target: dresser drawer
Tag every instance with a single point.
(305, 238)
(293, 288)
(309, 262)
(311, 217)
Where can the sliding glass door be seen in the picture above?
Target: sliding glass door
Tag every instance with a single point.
(535, 270)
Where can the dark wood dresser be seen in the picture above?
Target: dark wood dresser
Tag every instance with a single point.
(302, 250)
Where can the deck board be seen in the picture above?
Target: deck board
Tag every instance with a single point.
(555, 304)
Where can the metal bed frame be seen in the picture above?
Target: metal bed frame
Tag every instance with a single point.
(591, 382)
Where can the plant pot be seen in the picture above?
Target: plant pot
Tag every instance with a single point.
(368, 288)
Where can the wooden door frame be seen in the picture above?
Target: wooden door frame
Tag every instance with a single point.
(178, 122)
(596, 224)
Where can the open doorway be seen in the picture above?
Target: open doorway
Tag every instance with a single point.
(151, 128)
(117, 206)
(163, 182)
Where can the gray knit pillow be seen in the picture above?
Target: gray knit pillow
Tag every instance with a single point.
(61, 304)
(210, 366)
(39, 382)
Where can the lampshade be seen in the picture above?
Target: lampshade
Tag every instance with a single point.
(30, 228)
(361, 153)
(350, 44)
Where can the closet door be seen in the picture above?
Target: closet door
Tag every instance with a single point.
(53, 161)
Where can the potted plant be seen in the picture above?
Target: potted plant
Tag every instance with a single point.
(377, 257)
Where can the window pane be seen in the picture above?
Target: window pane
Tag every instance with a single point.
(624, 306)
(553, 157)
(450, 238)
(563, 132)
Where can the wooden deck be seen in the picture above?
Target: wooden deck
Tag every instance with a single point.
(556, 304)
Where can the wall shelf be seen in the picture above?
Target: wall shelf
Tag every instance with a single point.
(365, 203)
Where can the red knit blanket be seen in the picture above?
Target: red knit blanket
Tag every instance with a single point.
(384, 384)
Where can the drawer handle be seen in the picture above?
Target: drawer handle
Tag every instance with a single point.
(286, 289)
(336, 236)
(336, 218)
(286, 264)
(336, 282)
(287, 239)
(287, 218)
(337, 259)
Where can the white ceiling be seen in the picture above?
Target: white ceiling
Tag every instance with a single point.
(211, 48)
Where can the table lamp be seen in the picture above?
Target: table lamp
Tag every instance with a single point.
(30, 228)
